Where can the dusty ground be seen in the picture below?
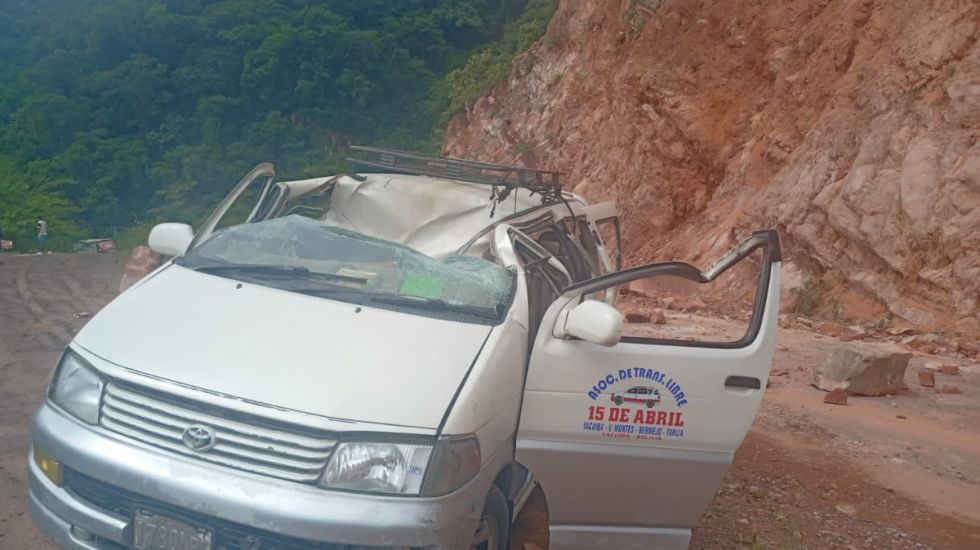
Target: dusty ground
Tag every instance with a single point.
(39, 299)
(899, 472)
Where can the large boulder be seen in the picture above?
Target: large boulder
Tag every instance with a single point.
(140, 264)
(862, 370)
(875, 187)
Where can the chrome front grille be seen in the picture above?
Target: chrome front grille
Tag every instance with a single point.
(161, 421)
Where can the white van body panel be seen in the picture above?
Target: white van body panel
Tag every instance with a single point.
(489, 402)
(285, 349)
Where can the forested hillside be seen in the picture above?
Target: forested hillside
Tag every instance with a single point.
(120, 113)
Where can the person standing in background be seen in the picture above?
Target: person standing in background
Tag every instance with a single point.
(42, 234)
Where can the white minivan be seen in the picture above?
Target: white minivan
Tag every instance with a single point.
(396, 358)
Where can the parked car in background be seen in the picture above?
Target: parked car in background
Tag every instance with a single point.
(94, 246)
(393, 358)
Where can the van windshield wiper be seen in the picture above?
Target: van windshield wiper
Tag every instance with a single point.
(432, 304)
(288, 271)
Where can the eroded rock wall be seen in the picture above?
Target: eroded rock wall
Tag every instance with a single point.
(851, 126)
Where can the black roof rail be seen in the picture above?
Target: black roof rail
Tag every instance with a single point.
(544, 182)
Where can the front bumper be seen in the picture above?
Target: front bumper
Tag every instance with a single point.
(213, 493)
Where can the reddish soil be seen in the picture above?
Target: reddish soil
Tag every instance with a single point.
(852, 127)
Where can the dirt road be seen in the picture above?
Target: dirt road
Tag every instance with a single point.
(899, 472)
(40, 297)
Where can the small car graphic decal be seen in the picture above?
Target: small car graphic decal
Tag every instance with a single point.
(639, 394)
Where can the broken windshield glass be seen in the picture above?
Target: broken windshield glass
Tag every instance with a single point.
(300, 254)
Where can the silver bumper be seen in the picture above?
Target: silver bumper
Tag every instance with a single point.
(269, 505)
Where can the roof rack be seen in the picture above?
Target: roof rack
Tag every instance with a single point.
(545, 183)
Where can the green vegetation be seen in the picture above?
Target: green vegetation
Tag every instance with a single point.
(523, 147)
(807, 297)
(120, 113)
(492, 64)
(638, 13)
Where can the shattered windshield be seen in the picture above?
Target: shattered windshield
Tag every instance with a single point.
(308, 256)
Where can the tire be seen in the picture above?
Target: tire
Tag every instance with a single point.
(493, 531)
(618, 400)
(650, 404)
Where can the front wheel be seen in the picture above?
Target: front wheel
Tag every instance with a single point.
(493, 531)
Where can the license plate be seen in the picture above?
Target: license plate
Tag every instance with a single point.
(155, 532)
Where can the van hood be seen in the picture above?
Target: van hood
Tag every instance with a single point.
(285, 349)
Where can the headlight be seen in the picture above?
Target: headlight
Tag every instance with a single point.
(401, 468)
(77, 388)
(378, 467)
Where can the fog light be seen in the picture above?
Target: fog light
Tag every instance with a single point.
(82, 533)
(48, 465)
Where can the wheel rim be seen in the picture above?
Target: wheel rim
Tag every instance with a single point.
(487, 536)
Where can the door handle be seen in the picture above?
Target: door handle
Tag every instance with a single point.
(749, 382)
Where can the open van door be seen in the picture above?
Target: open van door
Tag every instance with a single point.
(263, 173)
(174, 239)
(605, 218)
(629, 436)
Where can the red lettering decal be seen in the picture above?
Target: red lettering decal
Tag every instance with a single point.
(661, 418)
(638, 417)
(651, 417)
(679, 422)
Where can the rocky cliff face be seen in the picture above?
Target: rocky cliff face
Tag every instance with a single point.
(851, 126)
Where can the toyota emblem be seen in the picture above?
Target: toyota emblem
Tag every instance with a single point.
(199, 438)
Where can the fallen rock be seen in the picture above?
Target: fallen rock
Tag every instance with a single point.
(928, 348)
(831, 328)
(853, 332)
(946, 388)
(846, 509)
(140, 264)
(658, 317)
(640, 287)
(927, 379)
(968, 347)
(943, 367)
(836, 397)
(861, 370)
(637, 317)
(692, 303)
(900, 331)
(925, 343)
